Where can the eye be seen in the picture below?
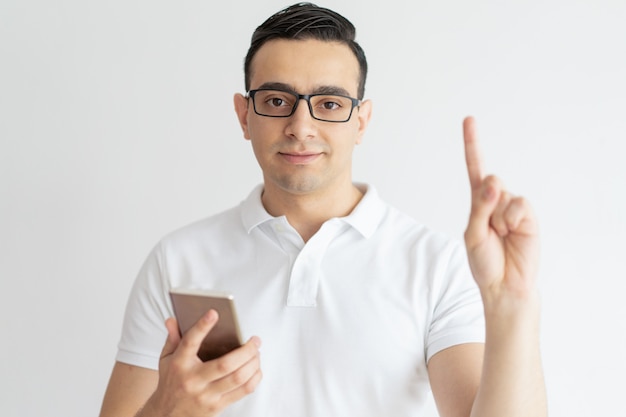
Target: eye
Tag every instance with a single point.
(277, 99)
(276, 102)
(331, 105)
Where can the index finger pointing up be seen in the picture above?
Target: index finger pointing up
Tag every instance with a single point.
(472, 154)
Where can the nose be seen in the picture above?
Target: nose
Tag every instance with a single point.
(301, 125)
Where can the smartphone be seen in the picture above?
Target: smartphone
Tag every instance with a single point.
(191, 305)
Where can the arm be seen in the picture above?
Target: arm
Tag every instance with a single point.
(502, 246)
(128, 390)
(454, 375)
(184, 385)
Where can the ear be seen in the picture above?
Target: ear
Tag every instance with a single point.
(241, 108)
(364, 115)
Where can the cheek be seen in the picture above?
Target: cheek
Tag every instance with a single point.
(260, 136)
(254, 130)
(346, 143)
(259, 129)
(352, 134)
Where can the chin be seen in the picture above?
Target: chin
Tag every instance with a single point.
(299, 184)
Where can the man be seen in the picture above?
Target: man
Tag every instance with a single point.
(361, 310)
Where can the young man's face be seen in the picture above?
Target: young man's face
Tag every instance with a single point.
(299, 154)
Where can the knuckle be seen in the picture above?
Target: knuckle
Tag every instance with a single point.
(186, 340)
(209, 408)
(491, 180)
(176, 368)
(223, 365)
(187, 343)
(250, 386)
(212, 407)
(516, 207)
(239, 377)
(210, 402)
(521, 202)
(189, 386)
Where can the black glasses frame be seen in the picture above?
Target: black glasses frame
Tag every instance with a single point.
(305, 97)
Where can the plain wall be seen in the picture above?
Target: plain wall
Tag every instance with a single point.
(117, 126)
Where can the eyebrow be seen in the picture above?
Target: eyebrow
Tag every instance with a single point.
(323, 89)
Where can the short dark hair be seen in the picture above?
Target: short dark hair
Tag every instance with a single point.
(307, 21)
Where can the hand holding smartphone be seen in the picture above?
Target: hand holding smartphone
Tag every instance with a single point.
(191, 305)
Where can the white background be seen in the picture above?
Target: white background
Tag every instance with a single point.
(116, 127)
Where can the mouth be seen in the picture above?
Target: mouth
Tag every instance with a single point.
(300, 158)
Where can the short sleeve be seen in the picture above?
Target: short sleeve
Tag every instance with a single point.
(143, 329)
(458, 315)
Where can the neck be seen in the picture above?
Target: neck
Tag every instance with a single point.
(306, 212)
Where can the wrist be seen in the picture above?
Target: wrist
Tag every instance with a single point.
(149, 409)
(511, 306)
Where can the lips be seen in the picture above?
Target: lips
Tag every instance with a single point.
(300, 158)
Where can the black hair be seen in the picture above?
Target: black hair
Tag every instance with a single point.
(303, 21)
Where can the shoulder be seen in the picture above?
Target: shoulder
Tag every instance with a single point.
(386, 226)
(228, 225)
(406, 231)
(228, 219)
(221, 228)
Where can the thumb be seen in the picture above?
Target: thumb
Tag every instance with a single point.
(484, 202)
(173, 337)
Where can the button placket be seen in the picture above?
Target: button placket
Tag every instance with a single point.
(307, 268)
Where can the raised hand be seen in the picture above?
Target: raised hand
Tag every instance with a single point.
(189, 387)
(502, 235)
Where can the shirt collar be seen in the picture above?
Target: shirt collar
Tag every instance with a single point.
(365, 217)
(368, 214)
(252, 211)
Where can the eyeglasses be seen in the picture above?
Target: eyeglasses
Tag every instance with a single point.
(280, 103)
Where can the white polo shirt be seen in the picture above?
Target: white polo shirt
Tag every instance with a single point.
(348, 320)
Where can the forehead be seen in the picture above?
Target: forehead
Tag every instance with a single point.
(305, 65)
